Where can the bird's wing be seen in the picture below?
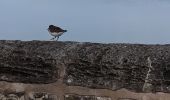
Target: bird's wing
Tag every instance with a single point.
(55, 29)
(58, 28)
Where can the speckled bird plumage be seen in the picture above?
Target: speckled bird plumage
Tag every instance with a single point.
(55, 31)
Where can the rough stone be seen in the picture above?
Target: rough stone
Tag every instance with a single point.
(136, 67)
(26, 62)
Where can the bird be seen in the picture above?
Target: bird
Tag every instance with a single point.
(56, 31)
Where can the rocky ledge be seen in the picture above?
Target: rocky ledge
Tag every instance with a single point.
(136, 67)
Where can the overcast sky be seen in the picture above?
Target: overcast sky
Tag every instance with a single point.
(105, 21)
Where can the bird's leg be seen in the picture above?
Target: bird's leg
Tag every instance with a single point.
(57, 38)
(53, 38)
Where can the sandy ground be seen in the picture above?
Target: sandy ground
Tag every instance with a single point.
(60, 90)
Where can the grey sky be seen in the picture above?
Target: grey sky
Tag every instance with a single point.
(123, 21)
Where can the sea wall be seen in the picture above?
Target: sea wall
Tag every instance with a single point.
(53, 70)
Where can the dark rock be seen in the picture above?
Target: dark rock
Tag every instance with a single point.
(26, 62)
(136, 67)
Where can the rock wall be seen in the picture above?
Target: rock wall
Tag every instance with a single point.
(52, 70)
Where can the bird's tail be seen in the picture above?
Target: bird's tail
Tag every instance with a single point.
(65, 30)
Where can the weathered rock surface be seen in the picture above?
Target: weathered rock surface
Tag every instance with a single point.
(136, 67)
(26, 62)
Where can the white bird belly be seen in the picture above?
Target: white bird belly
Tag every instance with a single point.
(56, 34)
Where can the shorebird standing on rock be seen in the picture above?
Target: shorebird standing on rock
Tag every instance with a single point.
(55, 31)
